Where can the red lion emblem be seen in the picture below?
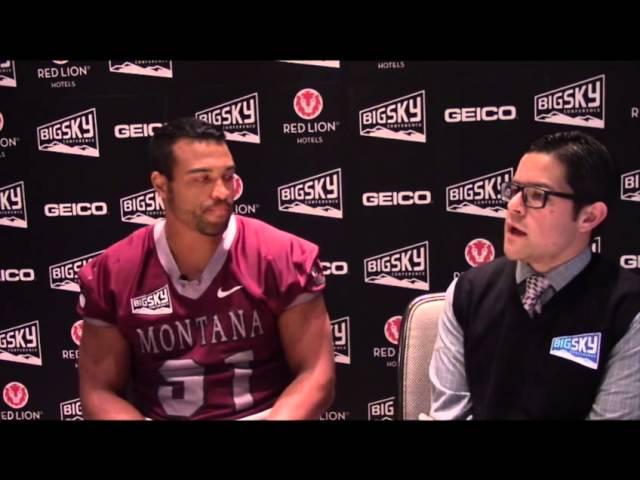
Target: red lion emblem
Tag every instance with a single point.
(15, 395)
(479, 251)
(308, 103)
(76, 332)
(392, 329)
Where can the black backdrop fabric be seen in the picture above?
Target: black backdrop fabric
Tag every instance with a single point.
(392, 167)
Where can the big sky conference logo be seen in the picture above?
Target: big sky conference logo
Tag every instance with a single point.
(76, 134)
(147, 68)
(13, 207)
(583, 349)
(341, 340)
(71, 410)
(145, 208)
(402, 118)
(21, 344)
(383, 409)
(480, 195)
(630, 186)
(406, 267)
(580, 104)
(319, 195)
(8, 73)
(64, 275)
(157, 302)
(316, 63)
(239, 118)
(63, 74)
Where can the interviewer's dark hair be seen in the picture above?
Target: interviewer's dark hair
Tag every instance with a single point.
(590, 170)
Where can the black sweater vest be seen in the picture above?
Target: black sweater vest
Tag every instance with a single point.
(510, 371)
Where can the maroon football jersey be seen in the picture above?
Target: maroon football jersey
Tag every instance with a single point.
(206, 349)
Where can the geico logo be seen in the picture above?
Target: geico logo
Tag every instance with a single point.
(135, 130)
(479, 114)
(75, 209)
(375, 199)
(17, 275)
(630, 261)
(334, 268)
(67, 271)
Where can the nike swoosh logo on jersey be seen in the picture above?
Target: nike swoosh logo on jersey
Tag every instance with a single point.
(224, 293)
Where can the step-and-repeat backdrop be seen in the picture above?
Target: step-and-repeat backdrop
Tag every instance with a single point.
(392, 167)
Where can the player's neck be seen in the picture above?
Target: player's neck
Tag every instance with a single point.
(191, 250)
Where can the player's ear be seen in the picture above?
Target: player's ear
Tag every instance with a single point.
(160, 183)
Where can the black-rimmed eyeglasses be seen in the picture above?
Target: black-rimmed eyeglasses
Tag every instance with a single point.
(533, 197)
